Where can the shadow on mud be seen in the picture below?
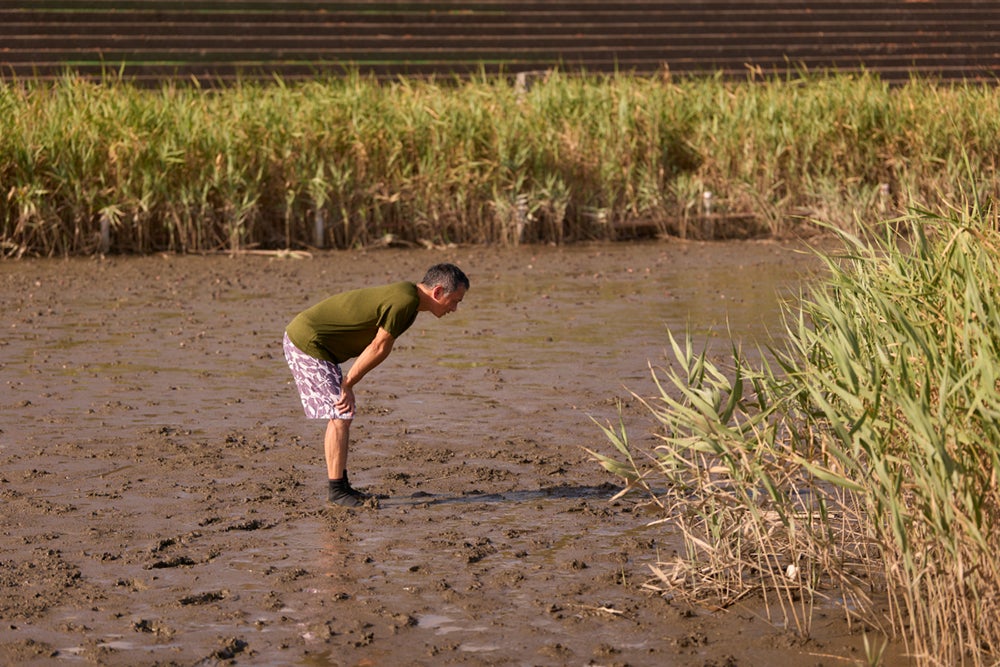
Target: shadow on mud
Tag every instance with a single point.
(567, 492)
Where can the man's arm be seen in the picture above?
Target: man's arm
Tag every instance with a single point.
(372, 356)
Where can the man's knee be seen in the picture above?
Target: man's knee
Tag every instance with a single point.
(341, 424)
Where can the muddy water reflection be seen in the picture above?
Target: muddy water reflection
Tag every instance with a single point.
(562, 328)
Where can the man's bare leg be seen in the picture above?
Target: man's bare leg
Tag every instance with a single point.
(335, 443)
(335, 447)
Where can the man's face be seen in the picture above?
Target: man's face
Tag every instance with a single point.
(446, 303)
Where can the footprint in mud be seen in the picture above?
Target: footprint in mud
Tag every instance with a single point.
(176, 561)
(475, 551)
(204, 598)
(252, 524)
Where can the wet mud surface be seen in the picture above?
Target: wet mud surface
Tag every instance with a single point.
(163, 496)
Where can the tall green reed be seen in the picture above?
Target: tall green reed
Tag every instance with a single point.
(349, 161)
(918, 379)
(862, 459)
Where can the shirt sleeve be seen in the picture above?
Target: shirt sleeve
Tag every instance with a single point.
(399, 313)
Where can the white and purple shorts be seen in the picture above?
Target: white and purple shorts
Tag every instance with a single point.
(318, 382)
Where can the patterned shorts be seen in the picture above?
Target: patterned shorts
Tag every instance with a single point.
(318, 382)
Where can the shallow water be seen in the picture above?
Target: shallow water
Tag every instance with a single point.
(164, 493)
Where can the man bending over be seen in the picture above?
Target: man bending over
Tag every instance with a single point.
(361, 324)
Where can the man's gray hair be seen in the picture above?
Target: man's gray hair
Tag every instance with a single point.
(448, 276)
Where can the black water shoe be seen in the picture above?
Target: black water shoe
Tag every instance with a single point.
(342, 493)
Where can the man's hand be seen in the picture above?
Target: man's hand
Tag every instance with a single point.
(372, 356)
(345, 404)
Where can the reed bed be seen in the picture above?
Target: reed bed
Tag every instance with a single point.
(857, 467)
(111, 167)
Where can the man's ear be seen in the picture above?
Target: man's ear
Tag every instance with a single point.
(437, 292)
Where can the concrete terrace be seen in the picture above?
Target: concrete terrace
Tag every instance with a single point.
(216, 41)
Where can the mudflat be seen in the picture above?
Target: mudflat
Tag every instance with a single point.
(163, 495)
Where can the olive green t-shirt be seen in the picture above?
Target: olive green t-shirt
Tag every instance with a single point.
(340, 327)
